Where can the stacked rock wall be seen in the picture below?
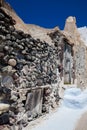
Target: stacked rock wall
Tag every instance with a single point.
(28, 71)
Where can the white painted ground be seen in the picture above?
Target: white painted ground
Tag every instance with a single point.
(73, 106)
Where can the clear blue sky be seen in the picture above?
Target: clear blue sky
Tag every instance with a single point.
(50, 13)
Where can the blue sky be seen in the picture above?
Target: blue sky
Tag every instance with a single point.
(50, 13)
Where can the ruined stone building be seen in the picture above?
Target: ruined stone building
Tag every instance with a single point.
(35, 63)
(80, 52)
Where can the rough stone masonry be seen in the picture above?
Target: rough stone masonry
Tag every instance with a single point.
(80, 52)
(28, 72)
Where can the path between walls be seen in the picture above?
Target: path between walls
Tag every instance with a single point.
(67, 116)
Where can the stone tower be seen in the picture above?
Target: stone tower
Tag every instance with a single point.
(70, 25)
(71, 28)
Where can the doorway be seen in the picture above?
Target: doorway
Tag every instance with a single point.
(67, 63)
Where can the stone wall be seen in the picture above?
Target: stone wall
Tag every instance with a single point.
(80, 52)
(28, 72)
(80, 65)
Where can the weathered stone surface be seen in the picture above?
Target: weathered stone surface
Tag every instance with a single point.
(71, 31)
(5, 94)
(6, 48)
(25, 69)
(12, 62)
(27, 66)
(7, 81)
(4, 119)
(4, 108)
(7, 69)
(1, 55)
(1, 16)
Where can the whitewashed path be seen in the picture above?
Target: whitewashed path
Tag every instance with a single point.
(66, 117)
